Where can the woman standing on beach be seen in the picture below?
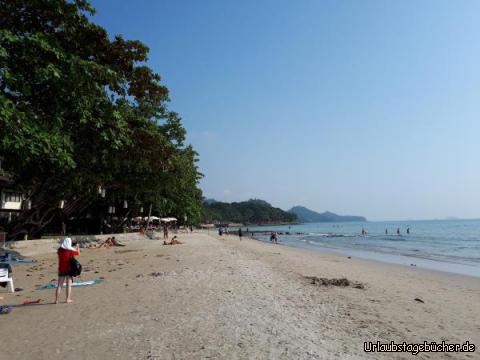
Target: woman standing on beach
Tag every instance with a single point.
(65, 254)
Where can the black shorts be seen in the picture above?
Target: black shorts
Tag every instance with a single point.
(63, 274)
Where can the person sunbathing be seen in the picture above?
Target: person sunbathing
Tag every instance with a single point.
(115, 242)
(106, 244)
(173, 242)
(110, 242)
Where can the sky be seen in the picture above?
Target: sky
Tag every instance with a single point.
(357, 107)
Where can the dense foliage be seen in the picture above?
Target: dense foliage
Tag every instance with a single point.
(79, 110)
(246, 212)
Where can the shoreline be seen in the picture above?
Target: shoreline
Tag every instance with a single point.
(437, 266)
(221, 298)
(353, 254)
(439, 255)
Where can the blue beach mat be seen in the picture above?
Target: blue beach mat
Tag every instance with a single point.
(5, 309)
(16, 262)
(8, 258)
(74, 284)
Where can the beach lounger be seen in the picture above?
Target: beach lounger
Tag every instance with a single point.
(4, 278)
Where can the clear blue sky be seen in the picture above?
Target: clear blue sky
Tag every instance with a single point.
(357, 107)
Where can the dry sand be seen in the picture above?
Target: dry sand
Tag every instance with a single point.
(219, 298)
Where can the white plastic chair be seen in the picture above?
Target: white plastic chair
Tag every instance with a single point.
(4, 278)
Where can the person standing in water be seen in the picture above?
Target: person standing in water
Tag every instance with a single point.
(386, 231)
(398, 231)
(408, 230)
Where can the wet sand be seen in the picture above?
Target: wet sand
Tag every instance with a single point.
(219, 298)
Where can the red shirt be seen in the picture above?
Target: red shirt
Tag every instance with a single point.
(64, 257)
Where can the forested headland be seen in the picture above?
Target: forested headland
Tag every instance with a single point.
(253, 211)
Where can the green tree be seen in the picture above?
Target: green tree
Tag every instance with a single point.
(78, 110)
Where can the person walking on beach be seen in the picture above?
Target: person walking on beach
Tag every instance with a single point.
(165, 231)
(274, 237)
(240, 234)
(66, 252)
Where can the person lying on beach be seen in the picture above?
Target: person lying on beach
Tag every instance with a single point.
(106, 244)
(173, 242)
(110, 242)
(115, 242)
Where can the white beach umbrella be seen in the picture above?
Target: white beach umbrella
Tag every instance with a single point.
(152, 218)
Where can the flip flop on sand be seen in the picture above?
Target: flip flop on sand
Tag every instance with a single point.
(31, 302)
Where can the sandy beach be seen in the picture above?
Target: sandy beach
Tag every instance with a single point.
(221, 298)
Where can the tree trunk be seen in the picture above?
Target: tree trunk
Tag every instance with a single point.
(32, 222)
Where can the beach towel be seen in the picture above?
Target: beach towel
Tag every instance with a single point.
(16, 262)
(74, 284)
(6, 256)
(5, 309)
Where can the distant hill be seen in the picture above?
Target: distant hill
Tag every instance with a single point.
(253, 211)
(210, 201)
(306, 216)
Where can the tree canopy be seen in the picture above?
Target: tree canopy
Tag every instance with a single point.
(80, 109)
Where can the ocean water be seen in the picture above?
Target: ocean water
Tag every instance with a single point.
(445, 245)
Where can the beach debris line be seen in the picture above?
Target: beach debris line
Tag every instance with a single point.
(342, 282)
(161, 273)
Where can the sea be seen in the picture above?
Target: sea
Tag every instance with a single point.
(443, 245)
